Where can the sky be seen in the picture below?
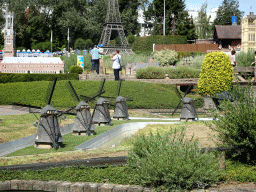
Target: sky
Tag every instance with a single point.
(244, 5)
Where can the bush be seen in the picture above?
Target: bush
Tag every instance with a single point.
(126, 58)
(150, 73)
(166, 57)
(80, 44)
(245, 59)
(236, 124)
(169, 161)
(142, 44)
(173, 73)
(76, 69)
(191, 62)
(16, 77)
(216, 74)
(72, 60)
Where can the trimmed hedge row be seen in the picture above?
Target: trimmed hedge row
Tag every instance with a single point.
(173, 73)
(144, 95)
(17, 77)
(146, 43)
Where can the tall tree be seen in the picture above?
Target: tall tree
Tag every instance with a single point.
(185, 26)
(156, 12)
(129, 14)
(203, 26)
(225, 12)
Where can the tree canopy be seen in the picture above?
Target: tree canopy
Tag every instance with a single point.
(203, 26)
(225, 12)
(35, 19)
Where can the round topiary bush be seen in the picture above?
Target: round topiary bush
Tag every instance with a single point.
(76, 69)
(216, 74)
(166, 57)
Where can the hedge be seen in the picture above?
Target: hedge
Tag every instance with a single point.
(146, 43)
(144, 95)
(173, 73)
(17, 77)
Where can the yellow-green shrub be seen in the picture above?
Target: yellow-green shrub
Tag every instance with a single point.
(216, 74)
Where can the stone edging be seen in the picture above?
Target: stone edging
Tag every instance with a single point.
(65, 186)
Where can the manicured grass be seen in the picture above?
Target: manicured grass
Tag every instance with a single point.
(70, 141)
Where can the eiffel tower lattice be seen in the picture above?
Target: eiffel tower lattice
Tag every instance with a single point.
(113, 23)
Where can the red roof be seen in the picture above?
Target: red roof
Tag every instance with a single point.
(228, 31)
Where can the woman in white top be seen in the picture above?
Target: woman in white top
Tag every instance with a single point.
(116, 64)
(233, 58)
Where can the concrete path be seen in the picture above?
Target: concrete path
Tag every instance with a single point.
(10, 110)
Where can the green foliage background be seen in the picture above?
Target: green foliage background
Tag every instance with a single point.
(142, 44)
(245, 59)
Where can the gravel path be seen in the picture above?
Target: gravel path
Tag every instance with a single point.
(10, 110)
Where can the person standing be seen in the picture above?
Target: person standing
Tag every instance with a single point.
(116, 64)
(95, 59)
(233, 58)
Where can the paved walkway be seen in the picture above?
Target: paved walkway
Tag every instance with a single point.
(10, 110)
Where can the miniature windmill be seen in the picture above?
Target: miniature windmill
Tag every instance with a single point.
(100, 113)
(48, 133)
(188, 111)
(121, 109)
(83, 123)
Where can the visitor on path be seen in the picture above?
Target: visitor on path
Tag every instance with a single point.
(95, 59)
(116, 64)
(233, 58)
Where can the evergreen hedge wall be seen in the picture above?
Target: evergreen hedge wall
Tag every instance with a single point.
(144, 95)
(18, 77)
(144, 44)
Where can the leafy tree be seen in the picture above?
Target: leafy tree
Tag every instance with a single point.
(203, 27)
(88, 43)
(225, 12)
(185, 26)
(156, 12)
(83, 18)
(129, 14)
(131, 38)
(80, 43)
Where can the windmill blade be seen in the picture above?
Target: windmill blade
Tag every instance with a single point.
(188, 90)
(23, 105)
(176, 107)
(51, 88)
(94, 110)
(72, 91)
(177, 91)
(102, 86)
(119, 87)
(92, 98)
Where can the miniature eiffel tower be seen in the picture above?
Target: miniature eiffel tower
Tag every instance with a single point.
(113, 23)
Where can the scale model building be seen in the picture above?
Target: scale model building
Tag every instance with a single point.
(26, 64)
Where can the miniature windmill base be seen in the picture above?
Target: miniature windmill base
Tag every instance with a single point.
(188, 112)
(83, 123)
(101, 116)
(121, 109)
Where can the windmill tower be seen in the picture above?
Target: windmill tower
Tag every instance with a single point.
(113, 26)
(9, 36)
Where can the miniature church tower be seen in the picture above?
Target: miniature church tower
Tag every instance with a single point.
(9, 35)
